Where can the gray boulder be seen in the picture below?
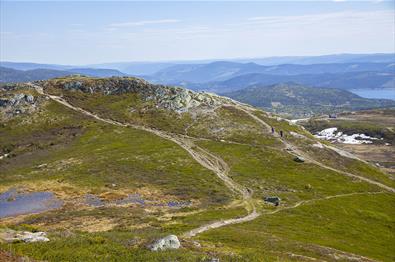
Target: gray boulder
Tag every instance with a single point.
(29, 99)
(299, 159)
(168, 242)
(273, 200)
(11, 236)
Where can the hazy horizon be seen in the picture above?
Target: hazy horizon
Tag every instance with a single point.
(231, 59)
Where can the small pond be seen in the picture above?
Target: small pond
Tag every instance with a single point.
(13, 203)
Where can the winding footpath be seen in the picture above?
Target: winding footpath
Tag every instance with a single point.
(296, 152)
(221, 169)
(202, 156)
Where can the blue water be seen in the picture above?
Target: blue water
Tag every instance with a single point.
(13, 203)
(375, 93)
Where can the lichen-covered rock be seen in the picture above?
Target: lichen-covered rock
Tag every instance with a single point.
(12, 236)
(169, 242)
(29, 99)
(12, 104)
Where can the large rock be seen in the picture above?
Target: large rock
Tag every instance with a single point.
(275, 200)
(14, 104)
(299, 159)
(11, 236)
(169, 242)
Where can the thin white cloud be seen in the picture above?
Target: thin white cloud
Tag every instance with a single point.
(144, 22)
(336, 17)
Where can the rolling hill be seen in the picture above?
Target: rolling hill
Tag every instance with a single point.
(223, 71)
(9, 75)
(300, 101)
(128, 162)
(353, 80)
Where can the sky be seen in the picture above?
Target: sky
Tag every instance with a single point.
(88, 32)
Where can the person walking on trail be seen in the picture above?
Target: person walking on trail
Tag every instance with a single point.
(281, 133)
(272, 130)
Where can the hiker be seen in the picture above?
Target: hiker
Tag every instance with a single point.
(281, 133)
(272, 130)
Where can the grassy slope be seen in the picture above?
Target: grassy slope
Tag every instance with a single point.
(130, 159)
(327, 156)
(362, 224)
(270, 171)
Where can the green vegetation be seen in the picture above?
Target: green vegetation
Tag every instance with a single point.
(296, 100)
(268, 171)
(359, 224)
(131, 159)
(60, 150)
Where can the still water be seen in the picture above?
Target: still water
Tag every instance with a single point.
(375, 93)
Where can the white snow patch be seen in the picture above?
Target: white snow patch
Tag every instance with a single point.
(333, 135)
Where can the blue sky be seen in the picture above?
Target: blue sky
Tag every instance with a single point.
(84, 32)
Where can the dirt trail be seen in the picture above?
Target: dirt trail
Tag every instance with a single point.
(296, 152)
(202, 156)
(221, 169)
(304, 202)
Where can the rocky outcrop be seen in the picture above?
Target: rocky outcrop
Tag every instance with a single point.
(166, 97)
(169, 242)
(12, 236)
(15, 104)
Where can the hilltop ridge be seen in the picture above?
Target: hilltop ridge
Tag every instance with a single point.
(168, 97)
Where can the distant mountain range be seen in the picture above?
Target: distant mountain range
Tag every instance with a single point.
(344, 71)
(149, 68)
(303, 101)
(190, 74)
(324, 59)
(351, 80)
(14, 75)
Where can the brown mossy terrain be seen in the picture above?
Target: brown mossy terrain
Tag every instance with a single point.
(323, 213)
(379, 123)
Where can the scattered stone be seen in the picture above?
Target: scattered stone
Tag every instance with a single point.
(299, 159)
(308, 187)
(12, 236)
(273, 200)
(318, 145)
(42, 165)
(4, 156)
(169, 242)
(29, 99)
(297, 135)
(196, 244)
